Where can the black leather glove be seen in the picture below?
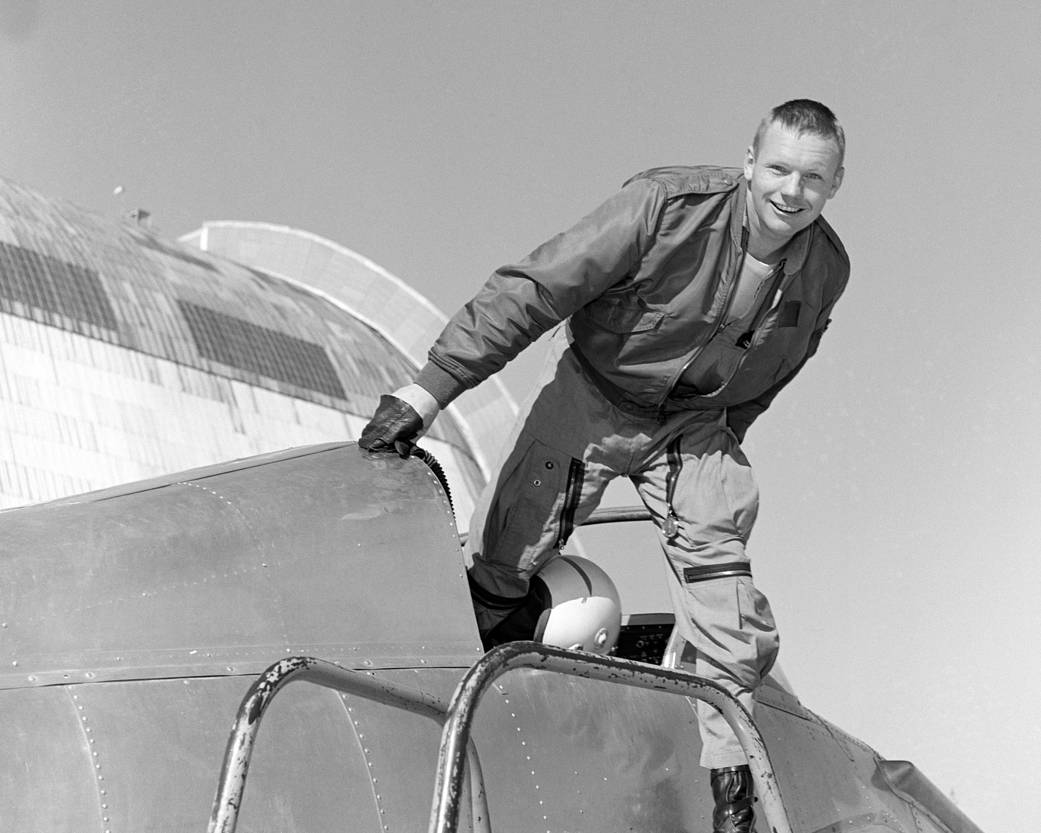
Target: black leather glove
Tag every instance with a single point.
(394, 427)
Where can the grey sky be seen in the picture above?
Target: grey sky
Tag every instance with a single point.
(900, 534)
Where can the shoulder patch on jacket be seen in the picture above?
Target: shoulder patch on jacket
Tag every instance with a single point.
(692, 179)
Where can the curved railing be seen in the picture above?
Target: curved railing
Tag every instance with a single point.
(228, 800)
(616, 514)
(457, 756)
(455, 738)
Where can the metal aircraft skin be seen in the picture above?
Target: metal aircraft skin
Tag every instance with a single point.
(134, 620)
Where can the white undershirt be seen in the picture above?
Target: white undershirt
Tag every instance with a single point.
(750, 284)
(718, 359)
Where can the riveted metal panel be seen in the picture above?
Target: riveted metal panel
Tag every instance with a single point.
(558, 754)
(161, 745)
(326, 551)
(825, 776)
(571, 754)
(581, 755)
(132, 621)
(145, 755)
(400, 750)
(47, 780)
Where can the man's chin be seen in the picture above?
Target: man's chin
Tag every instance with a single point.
(789, 224)
(780, 228)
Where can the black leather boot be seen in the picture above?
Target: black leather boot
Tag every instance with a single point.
(521, 623)
(734, 793)
(520, 616)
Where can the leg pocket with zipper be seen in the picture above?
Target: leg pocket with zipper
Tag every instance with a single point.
(533, 512)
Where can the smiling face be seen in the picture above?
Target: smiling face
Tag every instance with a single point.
(790, 178)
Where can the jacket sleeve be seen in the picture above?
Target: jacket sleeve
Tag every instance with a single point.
(521, 301)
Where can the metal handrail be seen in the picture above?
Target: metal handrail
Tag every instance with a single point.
(455, 737)
(601, 515)
(617, 514)
(232, 784)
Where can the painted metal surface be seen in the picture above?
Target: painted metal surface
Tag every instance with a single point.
(325, 552)
(238, 755)
(135, 620)
(911, 785)
(132, 756)
(453, 756)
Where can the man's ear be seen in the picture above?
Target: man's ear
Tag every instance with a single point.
(836, 181)
(749, 163)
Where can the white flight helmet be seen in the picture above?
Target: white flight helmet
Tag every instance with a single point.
(582, 609)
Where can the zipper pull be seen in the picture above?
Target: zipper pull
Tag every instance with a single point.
(670, 527)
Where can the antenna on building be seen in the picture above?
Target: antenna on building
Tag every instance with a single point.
(139, 216)
(117, 192)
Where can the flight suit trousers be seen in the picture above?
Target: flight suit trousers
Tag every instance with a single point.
(568, 443)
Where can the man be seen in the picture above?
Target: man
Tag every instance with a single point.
(691, 297)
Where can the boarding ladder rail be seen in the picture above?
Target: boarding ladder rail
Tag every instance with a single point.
(455, 737)
(239, 750)
(602, 515)
(457, 755)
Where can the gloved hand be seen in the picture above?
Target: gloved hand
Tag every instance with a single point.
(395, 426)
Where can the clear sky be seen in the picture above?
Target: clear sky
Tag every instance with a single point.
(900, 534)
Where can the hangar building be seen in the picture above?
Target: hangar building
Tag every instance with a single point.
(124, 355)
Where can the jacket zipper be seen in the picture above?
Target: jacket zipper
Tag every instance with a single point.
(739, 263)
(572, 495)
(776, 285)
(776, 281)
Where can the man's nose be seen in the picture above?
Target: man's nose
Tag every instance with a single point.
(792, 186)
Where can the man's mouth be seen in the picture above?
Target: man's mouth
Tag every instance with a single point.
(786, 209)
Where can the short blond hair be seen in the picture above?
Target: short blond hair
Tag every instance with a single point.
(804, 115)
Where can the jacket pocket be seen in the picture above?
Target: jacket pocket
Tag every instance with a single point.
(789, 314)
(623, 315)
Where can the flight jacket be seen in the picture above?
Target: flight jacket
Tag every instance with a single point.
(645, 281)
